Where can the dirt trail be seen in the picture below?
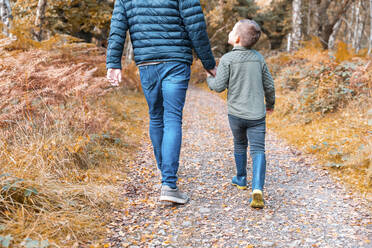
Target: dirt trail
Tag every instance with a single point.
(305, 207)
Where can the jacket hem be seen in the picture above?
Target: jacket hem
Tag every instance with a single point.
(163, 60)
(247, 117)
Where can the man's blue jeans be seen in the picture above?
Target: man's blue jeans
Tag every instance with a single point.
(165, 86)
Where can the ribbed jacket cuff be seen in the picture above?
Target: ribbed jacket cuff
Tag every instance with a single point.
(113, 65)
(209, 64)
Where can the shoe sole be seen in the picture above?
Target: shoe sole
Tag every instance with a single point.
(239, 187)
(173, 199)
(257, 199)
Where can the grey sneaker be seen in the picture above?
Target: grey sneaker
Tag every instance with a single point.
(173, 195)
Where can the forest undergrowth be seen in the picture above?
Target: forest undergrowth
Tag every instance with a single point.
(324, 107)
(66, 141)
(66, 138)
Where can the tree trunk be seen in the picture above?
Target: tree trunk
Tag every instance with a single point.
(326, 33)
(40, 16)
(316, 18)
(325, 29)
(332, 38)
(370, 27)
(327, 23)
(308, 20)
(129, 51)
(5, 16)
(360, 36)
(349, 38)
(289, 42)
(296, 23)
(360, 30)
(356, 24)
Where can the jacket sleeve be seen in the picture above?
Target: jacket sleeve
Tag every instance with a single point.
(221, 81)
(116, 40)
(269, 88)
(193, 19)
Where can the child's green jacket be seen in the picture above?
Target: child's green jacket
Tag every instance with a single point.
(245, 74)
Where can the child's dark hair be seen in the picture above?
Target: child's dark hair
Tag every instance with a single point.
(249, 32)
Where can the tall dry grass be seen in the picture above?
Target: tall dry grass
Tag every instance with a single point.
(66, 140)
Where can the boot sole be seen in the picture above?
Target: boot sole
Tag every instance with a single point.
(173, 199)
(239, 187)
(257, 199)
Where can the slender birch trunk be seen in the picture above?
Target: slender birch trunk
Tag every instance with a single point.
(308, 20)
(370, 28)
(360, 27)
(316, 17)
(332, 38)
(40, 16)
(349, 38)
(296, 23)
(5, 16)
(356, 24)
(289, 42)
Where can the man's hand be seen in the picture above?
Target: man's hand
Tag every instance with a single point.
(269, 111)
(212, 72)
(114, 77)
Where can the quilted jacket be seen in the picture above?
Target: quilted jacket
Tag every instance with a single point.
(160, 30)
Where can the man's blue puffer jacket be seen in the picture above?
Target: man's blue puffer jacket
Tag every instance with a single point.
(161, 30)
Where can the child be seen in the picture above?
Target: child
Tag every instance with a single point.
(244, 73)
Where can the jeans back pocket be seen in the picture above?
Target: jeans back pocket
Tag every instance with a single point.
(148, 77)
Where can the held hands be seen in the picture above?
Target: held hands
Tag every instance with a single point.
(269, 111)
(212, 72)
(114, 77)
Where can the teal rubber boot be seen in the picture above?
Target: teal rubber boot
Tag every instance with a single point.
(258, 180)
(240, 180)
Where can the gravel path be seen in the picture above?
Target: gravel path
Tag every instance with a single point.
(305, 207)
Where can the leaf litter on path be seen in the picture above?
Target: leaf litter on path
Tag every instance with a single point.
(305, 206)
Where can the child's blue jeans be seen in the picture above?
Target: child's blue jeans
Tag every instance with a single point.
(164, 86)
(244, 131)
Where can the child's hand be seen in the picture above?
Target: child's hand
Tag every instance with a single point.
(212, 72)
(114, 77)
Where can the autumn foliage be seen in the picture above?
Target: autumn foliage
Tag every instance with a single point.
(64, 138)
(324, 108)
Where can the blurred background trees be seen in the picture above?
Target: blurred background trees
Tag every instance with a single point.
(85, 19)
(285, 23)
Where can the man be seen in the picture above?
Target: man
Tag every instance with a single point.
(163, 34)
(5, 15)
